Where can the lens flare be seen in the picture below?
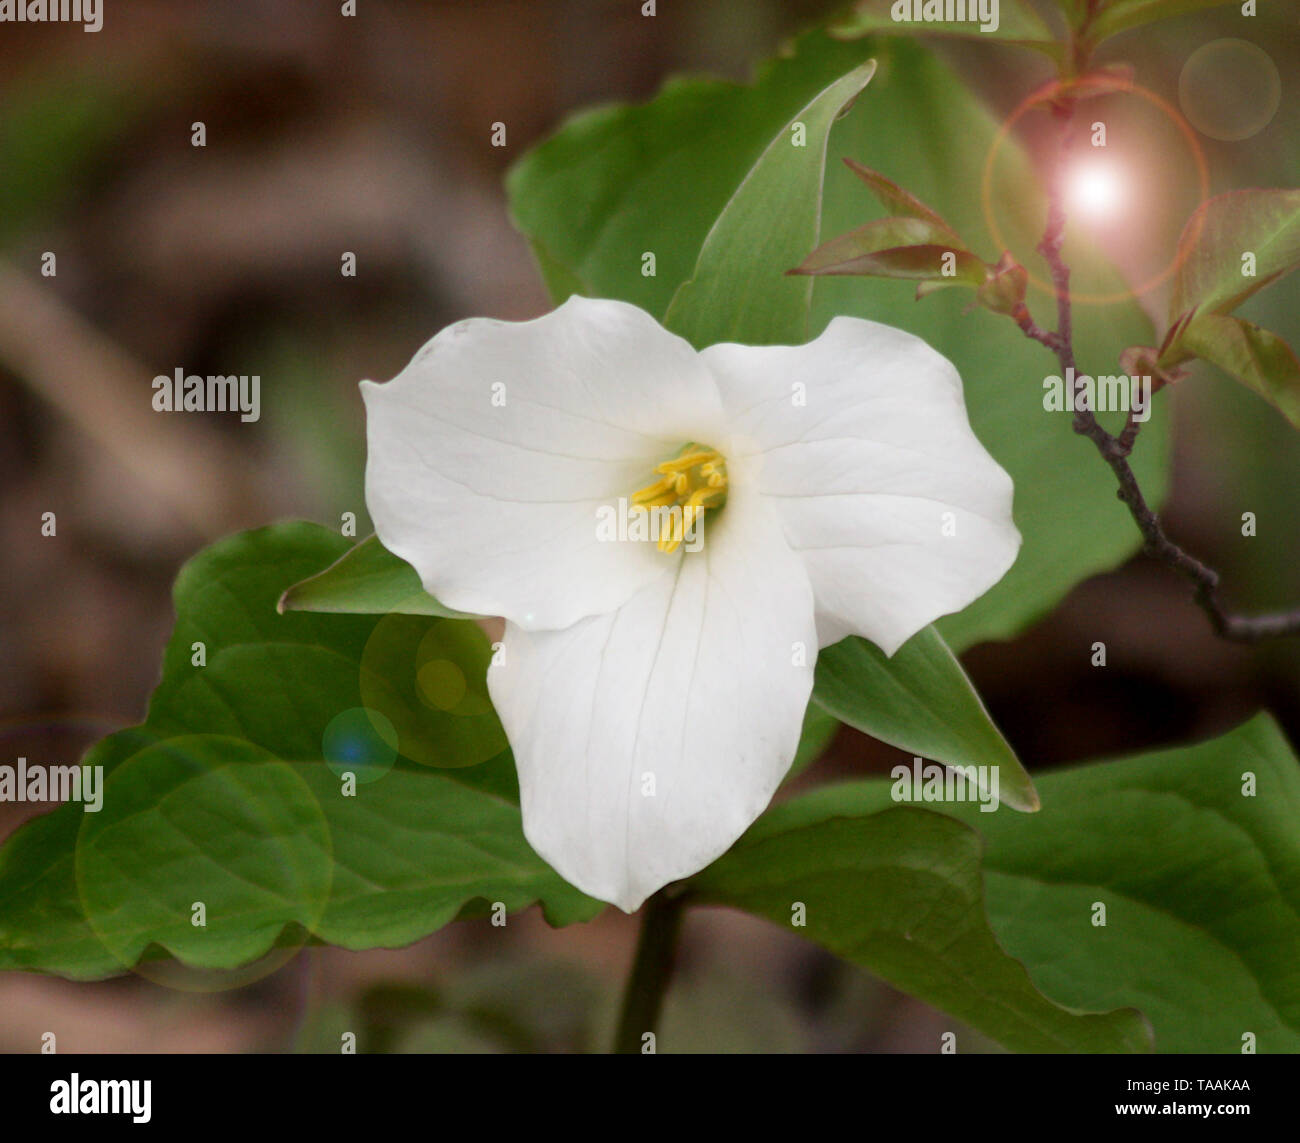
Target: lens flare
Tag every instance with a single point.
(1095, 190)
(1132, 192)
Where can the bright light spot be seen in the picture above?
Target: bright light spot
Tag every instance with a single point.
(1095, 190)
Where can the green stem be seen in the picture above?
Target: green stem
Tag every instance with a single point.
(652, 970)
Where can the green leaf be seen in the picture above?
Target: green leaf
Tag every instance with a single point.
(366, 580)
(819, 728)
(898, 201)
(624, 180)
(1121, 15)
(1017, 23)
(1258, 359)
(230, 794)
(894, 247)
(920, 701)
(1199, 873)
(619, 181)
(737, 292)
(899, 892)
(1201, 882)
(923, 263)
(1211, 277)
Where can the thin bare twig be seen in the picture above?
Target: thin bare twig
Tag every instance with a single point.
(1115, 450)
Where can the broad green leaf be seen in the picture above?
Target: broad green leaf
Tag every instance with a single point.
(920, 701)
(615, 183)
(1122, 15)
(1213, 275)
(1200, 878)
(1195, 853)
(899, 892)
(618, 182)
(737, 292)
(366, 580)
(231, 792)
(1258, 359)
(1016, 23)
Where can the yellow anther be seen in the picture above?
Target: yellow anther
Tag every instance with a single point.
(672, 534)
(687, 460)
(665, 486)
(689, 483)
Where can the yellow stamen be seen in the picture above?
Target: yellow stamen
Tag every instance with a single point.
(688, 460)
(689, 483)
(654, 491)
(663, 501)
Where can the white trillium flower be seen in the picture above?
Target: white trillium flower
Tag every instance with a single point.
(654, 695)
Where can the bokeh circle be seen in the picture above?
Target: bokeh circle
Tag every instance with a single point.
(1229, 89)
(428, 678)
(361, 742)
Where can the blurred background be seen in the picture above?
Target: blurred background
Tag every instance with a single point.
(371, 135)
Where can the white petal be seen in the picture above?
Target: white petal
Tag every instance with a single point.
(489, 455)
(697, 683)
(865, 448)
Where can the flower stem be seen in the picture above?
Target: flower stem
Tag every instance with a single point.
(652, 970)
